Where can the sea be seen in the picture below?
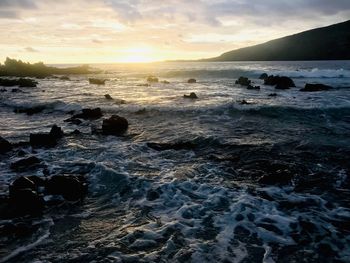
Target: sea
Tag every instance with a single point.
(192, 180)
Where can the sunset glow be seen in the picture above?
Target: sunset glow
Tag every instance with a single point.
(144, 31)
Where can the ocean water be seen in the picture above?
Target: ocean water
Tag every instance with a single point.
(204, 201)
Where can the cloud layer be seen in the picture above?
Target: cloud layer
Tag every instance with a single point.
(106, 30)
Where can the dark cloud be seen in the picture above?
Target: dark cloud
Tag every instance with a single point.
(17, 4)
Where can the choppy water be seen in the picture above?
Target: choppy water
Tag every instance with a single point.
(201, 203)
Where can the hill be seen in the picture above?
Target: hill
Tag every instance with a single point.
(326, 43)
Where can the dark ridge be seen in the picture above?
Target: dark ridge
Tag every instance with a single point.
(326, 43)
(18, 68)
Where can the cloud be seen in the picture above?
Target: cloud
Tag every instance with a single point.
(30, 49)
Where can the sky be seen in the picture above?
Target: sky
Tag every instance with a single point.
(107, 31)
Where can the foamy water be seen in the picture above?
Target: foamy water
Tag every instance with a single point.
(197, 204)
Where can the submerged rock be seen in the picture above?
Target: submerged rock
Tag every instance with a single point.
(5, 146)
(279, 82)
(152, 79)
(272, 95)
(243, 81)
(244, 102)
(315, 87)
(165, 82)
(89, 114)
(25, 163)
(263, 76)
(70, 187)
(172, 146)
(253, 87)
(191, 96)
(192, 81)
(30, 111)
(42, 140)
(21, 82)
(97, 81)
(115, 125)
(64, 78)
(108, 97)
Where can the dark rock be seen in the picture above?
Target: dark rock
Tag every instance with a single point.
(165, 82)
(97, 81)
(192, 81)
(21, 82)
(315, 87)
(38, 181)
(76, 132)
(16, 90)
(279, 82)
(272, 95)
(108, 97)
(243, 81)
(5, 146)
(172, 146)
(21, 183)
(152, 195)
(42, 140)
(253, 87)
(20, 229)
(191, 96)
(141, 111)
(64, 78)
(3, 90)
(30, 111)
(25, 163)
(152, 79)
(263, 76)
(115, 125)
(279, 177)
(244, 102)
(143, 85)
(89, 114)
(56, 132)
(72, 188)
(26, 202)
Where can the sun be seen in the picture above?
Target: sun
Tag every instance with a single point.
(142, 54)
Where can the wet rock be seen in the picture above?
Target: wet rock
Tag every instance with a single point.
(172, 146)
(21, 183)
(38, 181)
(70, 187)
(3, 90)
(108, 97)
(89, 114)
(192, 81)
(73, 121)
(16, 90)
(243, 81)
(97, 81)
(152, 79)
(279, 82)
(165, 82)
(315, 87)
(115, 125)
(20, 229)
(64, 78)
(141, 111)
(253, 87)
(42, 140)
(56, 132)
(26, 202)
(152, 195)
(143, 85)
(21, 82)
(263, 76)
(5, 146)
(276, 178)
(272, 95)
(25, 163)
(244, 102)
(239, 217)
(191, 96)
(30, 111)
